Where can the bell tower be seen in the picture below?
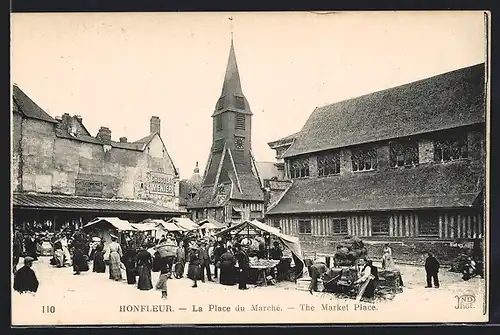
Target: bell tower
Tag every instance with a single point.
(230, 180)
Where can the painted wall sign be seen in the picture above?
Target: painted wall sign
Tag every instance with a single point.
(89, 188)
(161, 183)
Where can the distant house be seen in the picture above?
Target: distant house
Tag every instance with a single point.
(403, 164)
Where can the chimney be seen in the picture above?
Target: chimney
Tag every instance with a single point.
(123, 140)
(104, 135)
(79, 118)
(66, 121)
(154, 125)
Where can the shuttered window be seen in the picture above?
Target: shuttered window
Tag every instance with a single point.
(240, 121)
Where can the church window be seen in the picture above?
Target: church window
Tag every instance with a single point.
(239, 102)
(450, 146)
(404, 153)
(299, 168)
(328, 164)
(240, 121)
(364, 159)
(218, 122)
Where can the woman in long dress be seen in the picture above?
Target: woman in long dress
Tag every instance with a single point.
(144, 264)
(79, 261)
(129, 260)
(114, 250)
(99, 265)
(58, 255)
(227, 270)
(194, 269)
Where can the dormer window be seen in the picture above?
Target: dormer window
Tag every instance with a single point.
(450, 146)
(299, 168)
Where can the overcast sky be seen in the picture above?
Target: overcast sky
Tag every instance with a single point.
(119, 69)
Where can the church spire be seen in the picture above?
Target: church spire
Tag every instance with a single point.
(232, 83)
(232, 97)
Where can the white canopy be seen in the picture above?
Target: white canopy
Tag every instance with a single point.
(211, 224)
(145, 226)
(119, 224)
(184, 223)
(163, 225)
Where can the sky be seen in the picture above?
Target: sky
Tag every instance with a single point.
(119, 69)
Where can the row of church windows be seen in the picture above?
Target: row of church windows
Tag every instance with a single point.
(428, 225)
(403, 153)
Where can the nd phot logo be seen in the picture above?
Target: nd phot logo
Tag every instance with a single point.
(465, 301)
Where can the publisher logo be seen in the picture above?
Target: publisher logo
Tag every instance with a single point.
(465, 301)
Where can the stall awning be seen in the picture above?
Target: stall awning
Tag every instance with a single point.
(119, 224)
(185, 223)
(148, 226)
(291, 242)
(164, 225)
(211, 224)
(87, 204)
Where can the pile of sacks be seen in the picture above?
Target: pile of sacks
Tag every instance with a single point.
(349, 251)
(459, 264)
(389, 282)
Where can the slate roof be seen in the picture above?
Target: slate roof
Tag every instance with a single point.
(444, 101)
(449, 185)
(283, 140)
(76, 203)
(26, 106)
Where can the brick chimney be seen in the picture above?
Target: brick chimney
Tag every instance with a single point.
(104, 135)
(154, 125)
(123, 140)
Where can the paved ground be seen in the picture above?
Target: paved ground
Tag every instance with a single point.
(92, 298)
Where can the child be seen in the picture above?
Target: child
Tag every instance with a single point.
(161, 285)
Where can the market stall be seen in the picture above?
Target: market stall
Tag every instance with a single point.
(105, 226)
(184, 223)
(252, 231)
(210, 226)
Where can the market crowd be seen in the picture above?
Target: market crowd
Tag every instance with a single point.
(132, 257)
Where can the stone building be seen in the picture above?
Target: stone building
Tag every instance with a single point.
(405, 165)
(231, 190)
(61, 174)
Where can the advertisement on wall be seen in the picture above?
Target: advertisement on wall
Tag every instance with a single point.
(161, 183)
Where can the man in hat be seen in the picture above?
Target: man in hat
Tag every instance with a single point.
(25, 278)
(244, 265)
(205, 262)
(276, 253)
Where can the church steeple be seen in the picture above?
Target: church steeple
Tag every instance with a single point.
(232, 83)
(232, 97)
